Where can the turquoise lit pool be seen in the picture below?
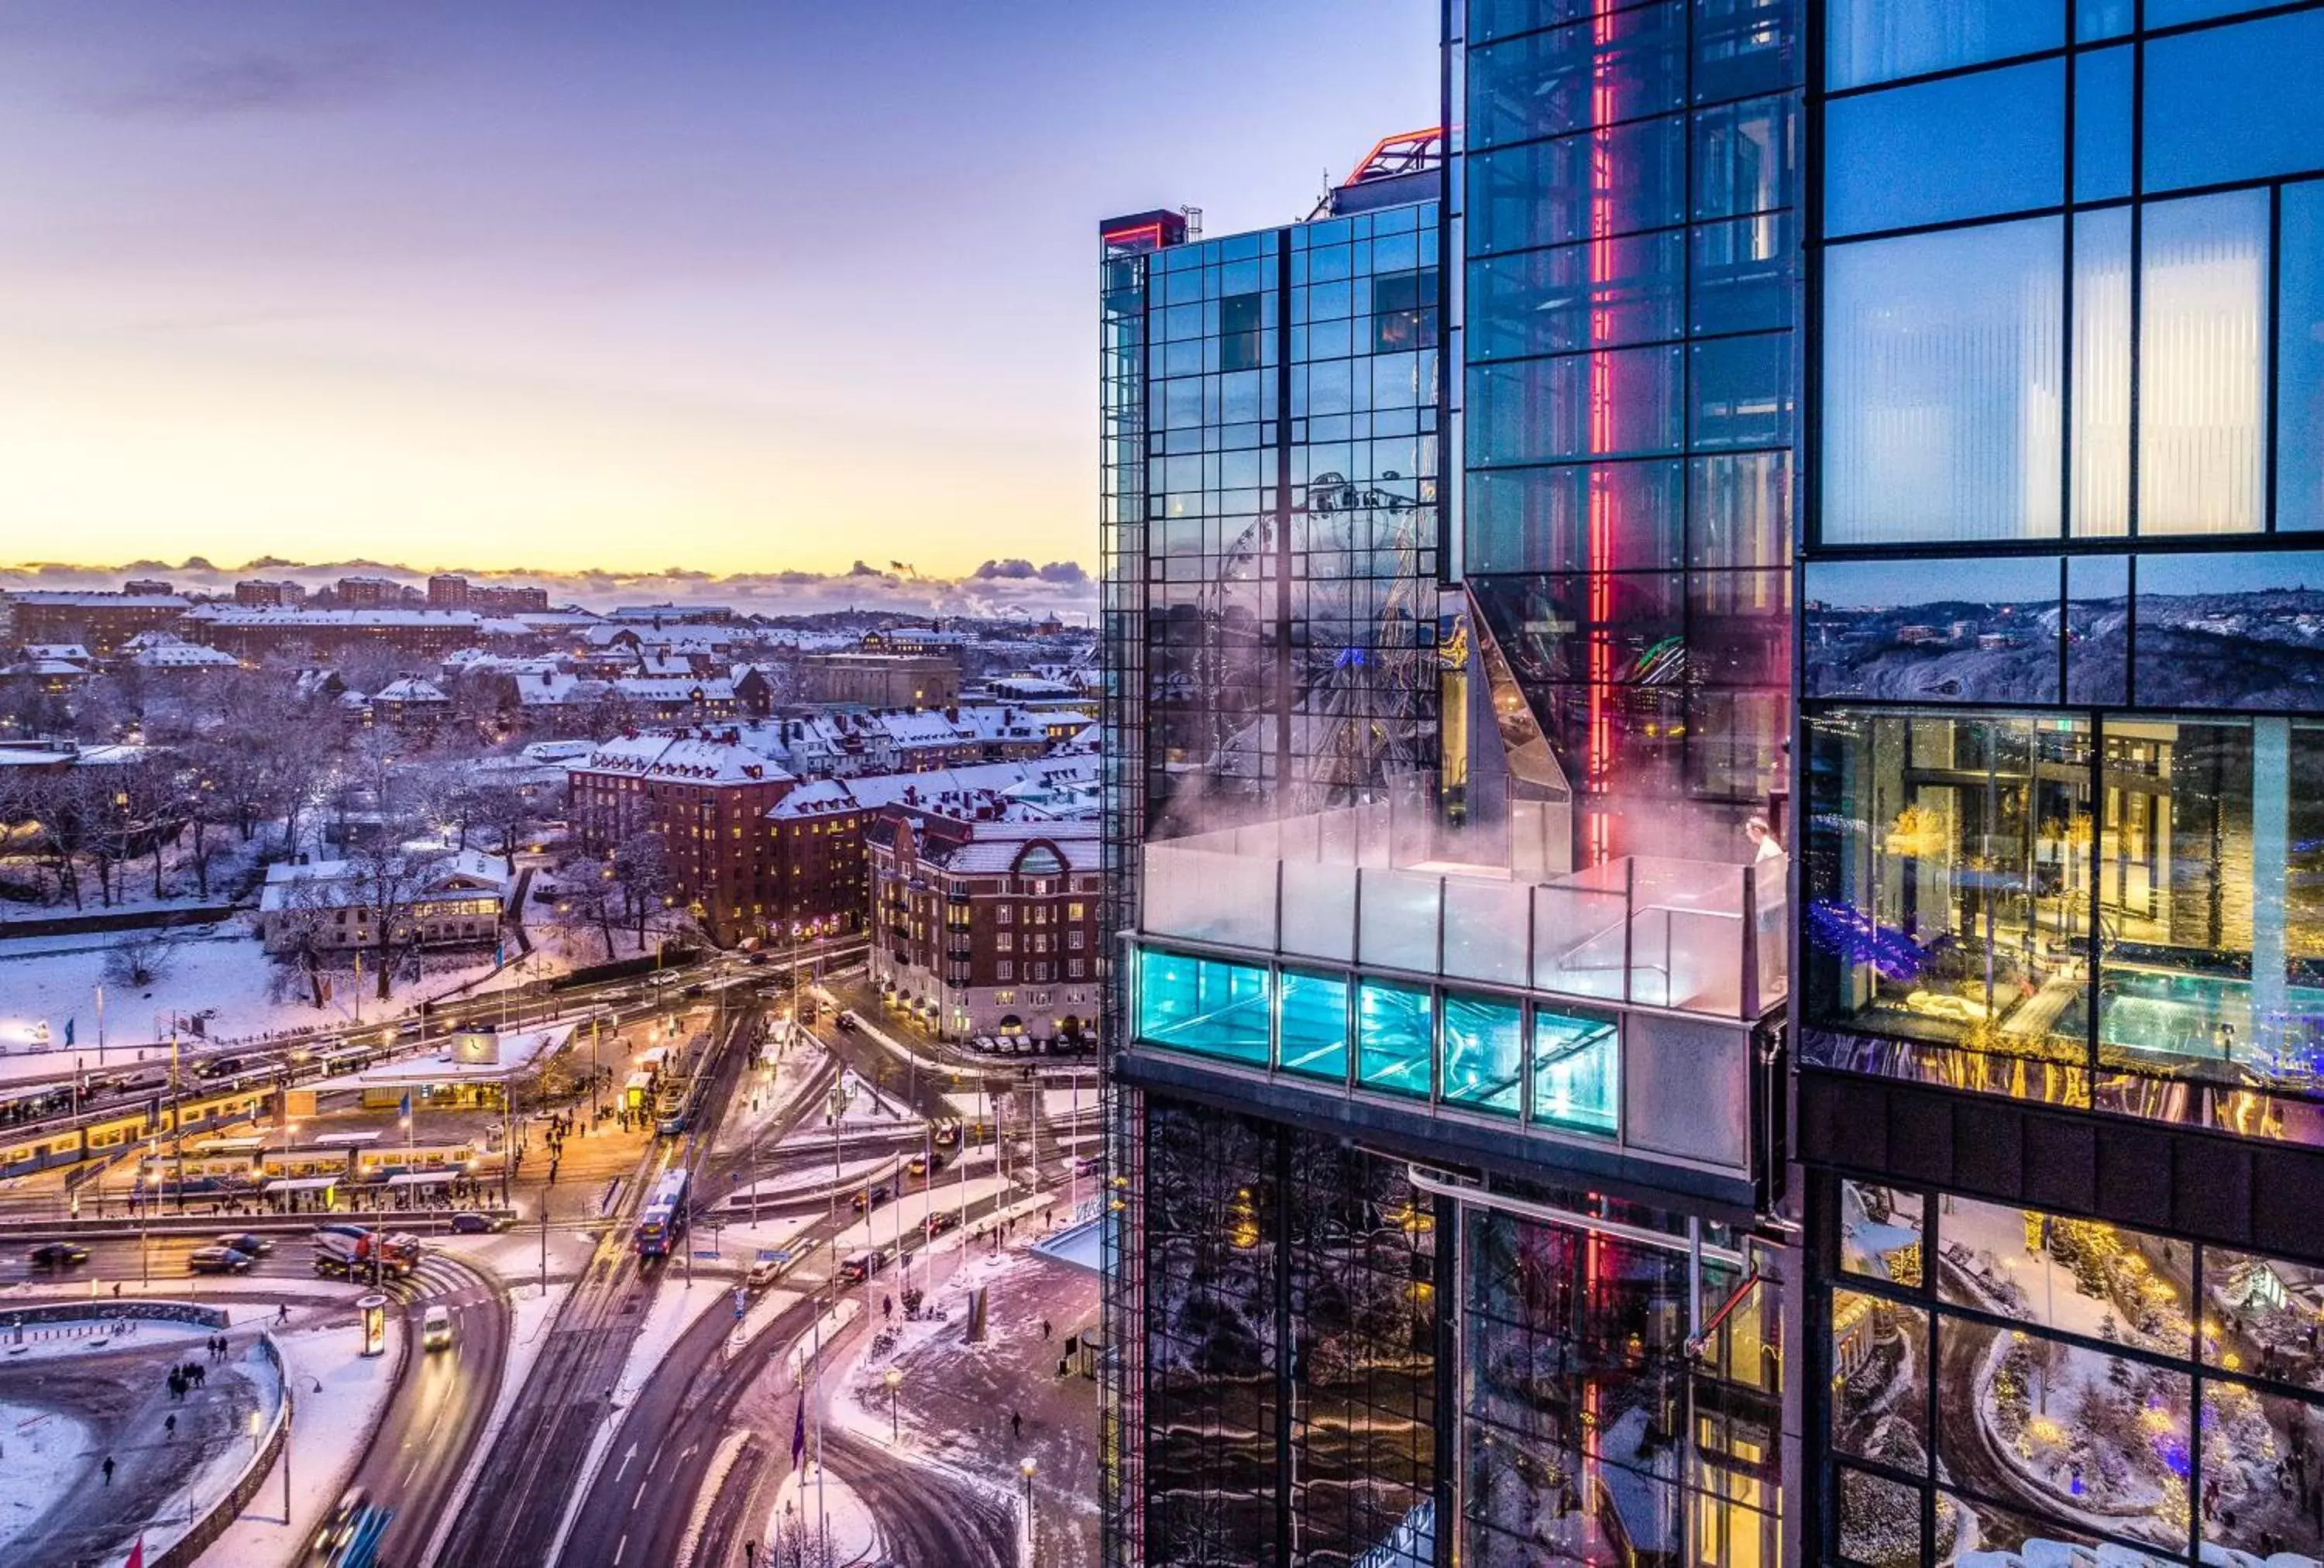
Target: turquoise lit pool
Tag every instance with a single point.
(2209, 1017)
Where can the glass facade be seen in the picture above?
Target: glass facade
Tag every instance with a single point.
(2056, 836)
(1589, 1432)
(1500, 1055)
(2015, 1380)
(2057, 760)
(1286, 569)
(1291, 1327)
(1629, 201)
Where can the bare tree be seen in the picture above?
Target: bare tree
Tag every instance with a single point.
(505, 811)
(139, 961)
(387, 878)
(644, 876)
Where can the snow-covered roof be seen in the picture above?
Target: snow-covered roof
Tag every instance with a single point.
(34, 667)
(688, 689)
(686, 758)
(176, 655)
(409, 689)
(520, 1049)
(946, 791)
(74, 653)
(65, 753)
(97, 601)
(341, 881)
(994, 848)
(245, 616)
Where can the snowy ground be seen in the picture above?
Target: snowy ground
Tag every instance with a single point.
(822, 1508)
(328, 1428)
(48, 1452)
(814, 1178)
(767, 1092)
(221, 969)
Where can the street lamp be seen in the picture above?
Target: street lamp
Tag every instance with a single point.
(1026, 1465)
(895, 1376)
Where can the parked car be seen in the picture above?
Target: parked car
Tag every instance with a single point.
(248, 1242)
(57, 1255)
(468, 1223)
(218, 1261)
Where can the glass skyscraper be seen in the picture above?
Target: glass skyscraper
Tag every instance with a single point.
(1818, 490)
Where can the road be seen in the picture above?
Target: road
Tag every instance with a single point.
(523, 1492)
(440, 1409)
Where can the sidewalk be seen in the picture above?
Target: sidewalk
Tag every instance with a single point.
(954, 1404)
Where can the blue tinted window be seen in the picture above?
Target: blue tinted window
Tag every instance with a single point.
(1622, 401)
(2234, 102)
(1577, 1073)
(1548, 193)
(1968, 631)
(1878, 40)
(1943, 362)
(1547, 84)
(1202, 1005)
(1393, 1030)
(2097, 19)
(1965, 147)
(1743, 47)
(1743, 272)
(2300, 341)
(2230, 630)
(2102, 124)
(1574, 297)
(1484, 1054)
(1743, 392)
(2097, 628)
(1312, 1031)
(1743, 159)
(2170, 12)
(1537, 519)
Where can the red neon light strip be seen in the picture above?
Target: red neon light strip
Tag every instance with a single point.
(1599, 754)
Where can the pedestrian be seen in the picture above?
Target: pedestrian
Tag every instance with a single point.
(1016, 1424)
(1045, 1328)
(283, 1313)
(177, 1385)
(117, 1290)
(108, 1468)
(170, 1428)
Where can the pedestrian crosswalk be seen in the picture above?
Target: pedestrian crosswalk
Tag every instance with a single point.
(437, 1276)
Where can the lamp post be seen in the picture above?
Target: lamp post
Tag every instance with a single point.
(1025, 1467)
(895, 1376)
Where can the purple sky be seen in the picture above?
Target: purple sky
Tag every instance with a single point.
(736, 286)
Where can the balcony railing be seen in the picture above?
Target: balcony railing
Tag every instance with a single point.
(1387, 886)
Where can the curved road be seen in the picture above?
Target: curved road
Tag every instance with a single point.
(419, 1451)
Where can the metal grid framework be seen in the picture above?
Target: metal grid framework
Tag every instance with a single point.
(1632, 283)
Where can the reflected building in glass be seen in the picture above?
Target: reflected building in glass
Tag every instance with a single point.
(2060, 1018)
(1447, 618)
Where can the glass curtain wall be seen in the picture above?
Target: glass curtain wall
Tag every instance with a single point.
(2013, 1380)
(1631, 391)
(1589, 1434)
(1291, 467)
(2063, 623)
(1291, 1331)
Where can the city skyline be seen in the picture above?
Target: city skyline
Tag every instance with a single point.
(276, 267)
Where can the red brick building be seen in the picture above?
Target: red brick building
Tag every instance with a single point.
(710, 798)
(987, 927)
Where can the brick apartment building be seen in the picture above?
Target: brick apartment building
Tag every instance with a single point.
(100, 623)
(880, 681)
(987, 927)
(709, 798)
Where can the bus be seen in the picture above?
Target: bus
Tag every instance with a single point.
(663, 1223)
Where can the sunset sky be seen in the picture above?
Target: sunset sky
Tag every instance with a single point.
(566, 284)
